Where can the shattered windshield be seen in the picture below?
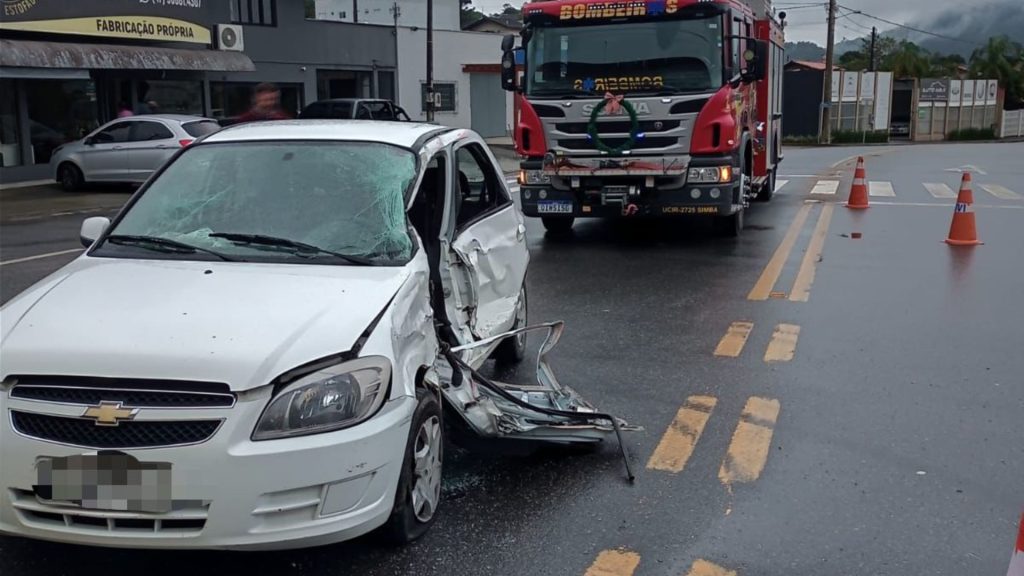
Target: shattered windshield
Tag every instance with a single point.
(318, 202)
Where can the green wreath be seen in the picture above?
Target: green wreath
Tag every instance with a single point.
(634, 130)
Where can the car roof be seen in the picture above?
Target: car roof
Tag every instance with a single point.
(180, 118)
(404, 134)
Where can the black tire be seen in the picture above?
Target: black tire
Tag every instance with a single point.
(767, 191)
(730, 226)
(70, 177)
(405, 524)
(513, 350)
(557, 225)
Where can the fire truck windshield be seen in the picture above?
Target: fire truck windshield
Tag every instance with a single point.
(668, 56)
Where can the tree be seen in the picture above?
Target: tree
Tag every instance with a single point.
(908, 60)
(469, 13)
(1002, 59)
(510, 10)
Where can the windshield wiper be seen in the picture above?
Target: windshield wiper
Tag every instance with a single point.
(296, 247)
(163, 245)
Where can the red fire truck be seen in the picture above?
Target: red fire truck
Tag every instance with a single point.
(635, 108)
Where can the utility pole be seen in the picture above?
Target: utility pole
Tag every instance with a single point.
(874, 35)
(826, 110)
(430, 60)
(355, 11)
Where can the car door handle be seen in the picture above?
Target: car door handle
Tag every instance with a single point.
(520, 232)
(118, 148)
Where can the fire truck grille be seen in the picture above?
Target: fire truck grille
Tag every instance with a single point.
(646, 126)
(641, 144)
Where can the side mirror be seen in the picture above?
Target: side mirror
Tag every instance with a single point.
(507, 42)
(756, 60)
(92, 228)
(89, 141)
(508, 71)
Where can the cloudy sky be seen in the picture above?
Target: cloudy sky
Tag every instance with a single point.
(807, 17)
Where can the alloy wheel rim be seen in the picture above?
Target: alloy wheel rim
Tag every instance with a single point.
(426, 488)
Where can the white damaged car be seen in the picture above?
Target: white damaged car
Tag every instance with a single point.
(267, 345)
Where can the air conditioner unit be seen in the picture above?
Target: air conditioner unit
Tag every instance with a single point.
(229, 37)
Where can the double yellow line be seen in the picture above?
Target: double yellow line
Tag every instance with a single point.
(625, 562)
(763, 288)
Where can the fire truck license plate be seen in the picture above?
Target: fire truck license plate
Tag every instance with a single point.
(554, 207)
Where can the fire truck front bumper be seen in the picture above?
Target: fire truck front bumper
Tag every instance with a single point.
(617, 196)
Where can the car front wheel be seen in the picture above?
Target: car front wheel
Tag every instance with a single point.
(419, 486)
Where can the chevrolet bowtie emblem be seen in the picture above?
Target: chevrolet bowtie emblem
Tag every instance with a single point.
(110, 413)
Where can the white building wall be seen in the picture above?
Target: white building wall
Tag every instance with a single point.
(412, 13)
(452, 50)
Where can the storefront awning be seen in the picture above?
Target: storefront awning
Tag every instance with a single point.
(33, 54)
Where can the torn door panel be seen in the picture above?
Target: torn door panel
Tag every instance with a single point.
(545, 411)
(492, 255)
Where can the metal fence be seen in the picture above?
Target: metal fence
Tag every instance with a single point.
(1013, 124)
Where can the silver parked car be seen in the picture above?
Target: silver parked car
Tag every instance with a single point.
(127, 149)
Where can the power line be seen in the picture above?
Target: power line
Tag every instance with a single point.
(911, 28)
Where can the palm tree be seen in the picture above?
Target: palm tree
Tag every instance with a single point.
(908, 60)
(1002, 59)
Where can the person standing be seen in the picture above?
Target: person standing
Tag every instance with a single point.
(124, 110)
(266, 105)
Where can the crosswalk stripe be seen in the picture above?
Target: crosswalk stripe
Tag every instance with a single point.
(881, 189)
(827, 187)
(939, 190)
(1001, 192)
(677, 444)
(779, 184)
(614, 563)
(783, 344)
(748, 450)
(735, 338)
(705, 568)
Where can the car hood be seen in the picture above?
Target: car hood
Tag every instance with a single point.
(240, 324)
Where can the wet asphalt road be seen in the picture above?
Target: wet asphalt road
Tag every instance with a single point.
(897, 448)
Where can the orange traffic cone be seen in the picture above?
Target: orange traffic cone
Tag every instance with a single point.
(1017, 560)
(859, 189)
(962, 231)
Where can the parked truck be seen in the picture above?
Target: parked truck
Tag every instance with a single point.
(638, 108)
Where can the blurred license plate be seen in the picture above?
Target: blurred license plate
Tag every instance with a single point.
(105, 481)
(554, 207)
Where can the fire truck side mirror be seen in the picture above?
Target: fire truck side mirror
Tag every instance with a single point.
(508, 70)
(508, 42)
(756, 58)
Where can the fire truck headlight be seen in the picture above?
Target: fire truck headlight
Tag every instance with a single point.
(533, 177)
(712, 175)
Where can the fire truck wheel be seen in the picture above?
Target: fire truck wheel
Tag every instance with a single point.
(730, 226)
(557, 225)
(767, 189)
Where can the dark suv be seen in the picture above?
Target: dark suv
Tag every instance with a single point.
(355, 108)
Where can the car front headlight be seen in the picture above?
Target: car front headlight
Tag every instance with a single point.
(711, 175)
(329, 399)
